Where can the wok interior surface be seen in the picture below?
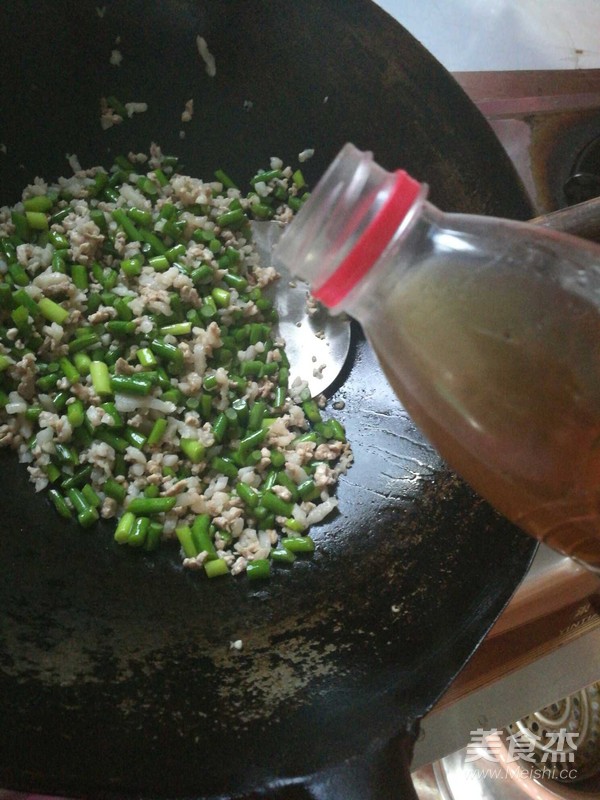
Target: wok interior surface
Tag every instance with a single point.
(116, 671)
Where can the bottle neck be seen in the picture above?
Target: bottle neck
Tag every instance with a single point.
(354, 214)
(413, 242)
(399, 199)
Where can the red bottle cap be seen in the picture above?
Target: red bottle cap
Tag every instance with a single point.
(372, 242)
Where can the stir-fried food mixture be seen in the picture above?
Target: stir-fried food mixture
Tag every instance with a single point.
(141, 377)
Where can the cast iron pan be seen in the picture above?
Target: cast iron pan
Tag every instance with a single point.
(116, 673)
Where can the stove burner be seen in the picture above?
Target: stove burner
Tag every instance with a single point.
(584, 181)
(552, 754)
(566, 731)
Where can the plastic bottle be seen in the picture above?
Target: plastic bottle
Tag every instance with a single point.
(488, 330)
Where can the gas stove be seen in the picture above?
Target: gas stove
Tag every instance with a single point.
(544, 647)
(549, 123)
(546, 644)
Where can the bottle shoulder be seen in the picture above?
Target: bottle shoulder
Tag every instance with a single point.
(479, 248)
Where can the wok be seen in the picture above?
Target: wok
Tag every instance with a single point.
(116, 672)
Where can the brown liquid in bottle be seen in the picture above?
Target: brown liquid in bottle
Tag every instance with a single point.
(502, 371)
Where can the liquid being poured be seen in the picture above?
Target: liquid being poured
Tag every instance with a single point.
(500, 367)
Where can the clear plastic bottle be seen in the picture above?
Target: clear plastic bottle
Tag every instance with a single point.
(488, 330)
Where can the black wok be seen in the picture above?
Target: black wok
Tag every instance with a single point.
(116, 673)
